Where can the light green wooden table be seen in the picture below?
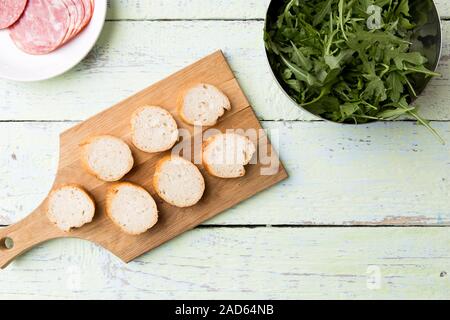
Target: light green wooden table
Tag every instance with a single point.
(364, 214)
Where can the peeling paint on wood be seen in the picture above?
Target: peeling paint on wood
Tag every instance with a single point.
(131, 55)
(218, 263)
(202, 9)
(380, 174)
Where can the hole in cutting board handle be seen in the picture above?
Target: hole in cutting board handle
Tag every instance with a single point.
(7, 243)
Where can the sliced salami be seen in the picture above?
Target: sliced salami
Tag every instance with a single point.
(81, 12)
(42, 27)
(10, 11)
(73, 13)
(89, 11)
(78, 25)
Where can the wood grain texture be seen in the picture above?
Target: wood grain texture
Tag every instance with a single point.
(132, 54)
(220, 194)
(313, 262)
(386, 173)
(202, 9)
(261, 263)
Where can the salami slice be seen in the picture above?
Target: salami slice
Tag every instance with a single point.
(78, 6)
(89, 11)
(81, 12)
(42, 27)
(73, 13)
(10, 11)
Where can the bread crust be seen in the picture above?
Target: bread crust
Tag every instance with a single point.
(68, 185)
(180, 103)
(85, 163)
(133, 138)
(111, 192)
(155, 181)
(208, 167)
(205, 163)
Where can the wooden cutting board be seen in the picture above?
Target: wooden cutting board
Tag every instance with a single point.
(220, 194)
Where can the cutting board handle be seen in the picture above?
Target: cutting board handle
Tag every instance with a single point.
(22, 236)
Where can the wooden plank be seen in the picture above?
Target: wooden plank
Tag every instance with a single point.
(202, 9)
(224, 263)
(443, 8)
(132, 55)
(393, 173)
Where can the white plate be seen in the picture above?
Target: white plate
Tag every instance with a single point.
(20, 66)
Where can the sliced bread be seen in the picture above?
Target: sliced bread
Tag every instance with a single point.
(131, 208)
(107, 157)
(70, 206)
(153, 129)
(178, 181)
(203, 105)
(225, 155)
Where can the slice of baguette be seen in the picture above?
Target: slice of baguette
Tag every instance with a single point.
(153, 129)
(107, 157)
(70, 206)
(178, 181)
(203, 105)
(225, 155)
(131, 208)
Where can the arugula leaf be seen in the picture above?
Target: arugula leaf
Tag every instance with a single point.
(341, 18)
(395, 84)
(326, 8)
(349, 108)
(299, 58)
(298, 72)
(375, 89)
(334, 66)
(414, 58)
(403, 8)
(335, 62)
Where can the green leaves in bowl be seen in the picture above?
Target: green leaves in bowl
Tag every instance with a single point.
(332, 64)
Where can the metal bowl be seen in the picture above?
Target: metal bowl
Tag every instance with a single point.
(427, 40)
